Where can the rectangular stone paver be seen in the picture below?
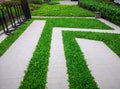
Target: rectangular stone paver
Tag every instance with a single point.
(103, 63)
(57, 74)
(15, 60)
(68, 2)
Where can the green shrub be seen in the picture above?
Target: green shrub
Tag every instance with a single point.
(108, 11)
(34, 6)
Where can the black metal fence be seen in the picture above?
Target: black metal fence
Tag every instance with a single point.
(12, 14)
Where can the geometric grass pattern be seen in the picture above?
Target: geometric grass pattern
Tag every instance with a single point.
(42, 51)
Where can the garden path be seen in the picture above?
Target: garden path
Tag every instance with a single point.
(68, 2)
(103, 63)
(12, 70)
(15, 60)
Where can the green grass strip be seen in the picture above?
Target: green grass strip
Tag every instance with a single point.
(36, 73)
(77, 23)
(79, 74)
(9, 40)
(62, 10)
(35, 77)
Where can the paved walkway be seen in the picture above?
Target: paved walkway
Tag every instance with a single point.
(103, 63)
(68, 2)
(16, 58)
(57, 74)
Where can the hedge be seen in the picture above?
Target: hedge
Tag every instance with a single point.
(108, 11)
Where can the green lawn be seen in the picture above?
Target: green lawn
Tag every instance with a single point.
(79, 74)
(36, 73)
(61, 10)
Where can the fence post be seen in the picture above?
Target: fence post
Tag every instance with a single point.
(5, 22)
(25, 8)
(2, 23)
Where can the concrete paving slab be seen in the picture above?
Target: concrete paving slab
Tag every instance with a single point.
(117, 28)
(61, 17)
(103, 63)
(57, 71)
(68, 2)
(88, 30)
(15, 60)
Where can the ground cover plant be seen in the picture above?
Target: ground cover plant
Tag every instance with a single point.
(79, 74)
(34, 6)
(61, 10)
(9, 40)
(36, 73)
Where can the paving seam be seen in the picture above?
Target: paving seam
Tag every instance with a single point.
(60, 17)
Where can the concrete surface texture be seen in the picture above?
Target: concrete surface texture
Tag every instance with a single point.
(15, 60)
(68, 2)
(103, 63)
(57, 72)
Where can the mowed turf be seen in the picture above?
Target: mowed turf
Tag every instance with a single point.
(62, 10)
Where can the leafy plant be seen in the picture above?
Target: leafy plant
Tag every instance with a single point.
(110, 12)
